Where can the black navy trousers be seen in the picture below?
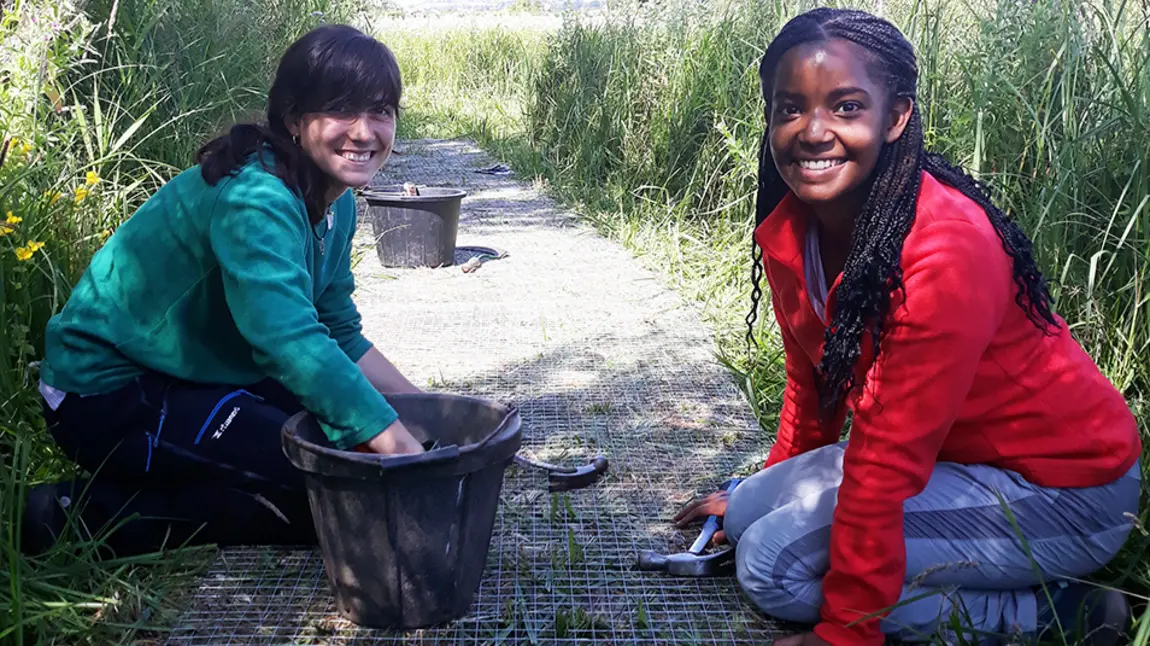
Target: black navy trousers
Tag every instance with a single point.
(184, 464)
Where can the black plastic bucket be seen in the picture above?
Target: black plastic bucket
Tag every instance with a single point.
(405, 538)
(415, 230)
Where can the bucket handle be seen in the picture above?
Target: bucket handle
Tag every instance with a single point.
(511, 410)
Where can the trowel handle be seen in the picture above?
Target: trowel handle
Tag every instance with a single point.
(705, 536)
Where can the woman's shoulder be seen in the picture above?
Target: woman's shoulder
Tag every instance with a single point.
(256, 183)
(259, 168)
(952, 229)
(943, 208)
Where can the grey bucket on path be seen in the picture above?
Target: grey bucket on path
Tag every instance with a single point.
(405, 538)
(415, 230)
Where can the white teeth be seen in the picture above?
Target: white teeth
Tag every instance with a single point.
(356, 157)
(819, 164)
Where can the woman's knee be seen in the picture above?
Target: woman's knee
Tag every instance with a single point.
(742, 510)
(774, 570)
(781, 484)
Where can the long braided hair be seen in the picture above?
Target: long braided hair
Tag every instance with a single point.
(872, 271)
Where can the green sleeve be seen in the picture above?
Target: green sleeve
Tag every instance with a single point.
(257, 234)
(336, 308)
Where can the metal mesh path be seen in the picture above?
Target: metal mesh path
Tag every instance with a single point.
(600, 358)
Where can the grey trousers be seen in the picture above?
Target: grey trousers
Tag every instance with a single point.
(959, 542)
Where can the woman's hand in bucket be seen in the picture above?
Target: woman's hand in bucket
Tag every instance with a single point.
(394, 440)
(713, 505)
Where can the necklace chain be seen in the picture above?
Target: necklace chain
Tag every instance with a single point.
(327, 216)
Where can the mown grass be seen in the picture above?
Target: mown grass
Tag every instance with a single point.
(648, 123)
(100, 103)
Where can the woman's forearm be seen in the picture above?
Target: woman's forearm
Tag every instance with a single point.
(383, 375)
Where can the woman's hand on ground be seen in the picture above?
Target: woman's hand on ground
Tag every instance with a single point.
(806, 639)
(713, 505)
(394, 440)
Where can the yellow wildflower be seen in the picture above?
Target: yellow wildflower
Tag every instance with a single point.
(92, 178)
(16, 145)
(27, 251)
(105, 234)
(9, 225)
(55, 197)
(81, 193)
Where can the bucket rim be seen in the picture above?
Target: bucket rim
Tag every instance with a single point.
(341, 463)
(384, 196)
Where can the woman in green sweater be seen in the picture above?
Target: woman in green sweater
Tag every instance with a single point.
(218, 310)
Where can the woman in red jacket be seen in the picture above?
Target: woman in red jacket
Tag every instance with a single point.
(975, 397)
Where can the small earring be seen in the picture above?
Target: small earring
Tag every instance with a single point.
(295, 140)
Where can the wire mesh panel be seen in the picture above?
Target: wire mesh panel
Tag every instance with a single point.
(601, 359)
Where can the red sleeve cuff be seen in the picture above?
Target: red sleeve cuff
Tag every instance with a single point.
(837, 635)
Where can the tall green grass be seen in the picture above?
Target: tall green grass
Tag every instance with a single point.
(463, 82)
(100, 103)
(649, 123)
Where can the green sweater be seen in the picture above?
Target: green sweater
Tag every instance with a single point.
(224, 284)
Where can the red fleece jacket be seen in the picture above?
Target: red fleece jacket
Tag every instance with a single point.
(963, 376)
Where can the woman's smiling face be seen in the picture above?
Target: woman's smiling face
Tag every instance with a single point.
(349, 148)
(829, 120)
